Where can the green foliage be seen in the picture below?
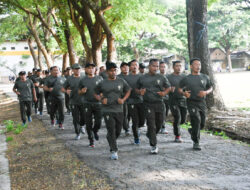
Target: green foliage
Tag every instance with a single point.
(16, 128)
(186, 125)
(9, 125)
(8, 139)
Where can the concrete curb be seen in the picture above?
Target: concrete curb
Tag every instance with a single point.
(4, 164)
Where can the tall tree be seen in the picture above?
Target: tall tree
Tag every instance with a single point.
(198, 45)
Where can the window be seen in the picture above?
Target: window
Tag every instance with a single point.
(4, 48)
(13, 48)
(26, 48)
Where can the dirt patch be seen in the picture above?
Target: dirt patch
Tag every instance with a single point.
(38, 160)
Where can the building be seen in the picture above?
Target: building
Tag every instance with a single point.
(240, 59)
(218, 59)
(16, 56)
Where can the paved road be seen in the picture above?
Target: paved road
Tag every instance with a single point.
(222, 164)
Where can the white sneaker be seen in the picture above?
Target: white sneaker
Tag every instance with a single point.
(78, 137)
(114, 155)
(154, 150)
(82, 130)
(164, 131)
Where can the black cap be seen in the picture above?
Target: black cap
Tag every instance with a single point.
(110, 65)
(76, 66)
(34, 69)
(38, 70)
(123, 64)
(142, 66)
(89, 65)
(22, 73)
(46, 71)
(68, 68)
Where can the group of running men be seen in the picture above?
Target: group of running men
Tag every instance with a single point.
(131, 95)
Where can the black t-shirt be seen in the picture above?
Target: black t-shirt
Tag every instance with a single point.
(90, 84)
(72, 83)
(104, 75)
(175, 98)
(56, 83)
(112, 90)
(134, 98)
(37, 79)
(25, 89)
(152, 84)
(195, 84)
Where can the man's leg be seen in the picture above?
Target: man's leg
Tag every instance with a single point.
(60, 111)
(97, 118)
(41, 102)
(118, 123)
(125, 118)
(111, 131)
(22, 111)
(142, 115)
(177, 119)
(89, 123)
(151, 131)
(67, 103)
(183, 111)
(76, 122)
(133, 110)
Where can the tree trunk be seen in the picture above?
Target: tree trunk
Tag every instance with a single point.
(229, 62)
(40, 58)
(111, 54)
(70, 45)
(97, 56)
(198, 45)
(47, 57)
(65, 62)
(32, 51)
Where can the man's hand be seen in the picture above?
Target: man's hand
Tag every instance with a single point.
(50, 89)
(187, 94)
(202, 94)
(120, 101)
(172, 88)
(83, 90)
(18, 93)
(142, 91)
(162, 94)
(104, 101)
(35, 99)
(68, 91)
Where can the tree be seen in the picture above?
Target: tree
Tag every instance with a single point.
(198, 45)
(228, 27)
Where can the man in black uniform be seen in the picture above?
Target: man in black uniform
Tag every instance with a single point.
(46, 93)
(163, 71)
(195, 87)
(153, 87)
(91, 105)
(54, 85)
(177, 101)
(103, 73)
(37, 80)
(71, 88)
(135, 101)
(67, 74)
(142, 69)
(112, 90)
(124, 73)
(25, 90)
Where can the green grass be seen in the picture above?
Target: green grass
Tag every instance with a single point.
(8, 139)
(244, 109)
(12, 127)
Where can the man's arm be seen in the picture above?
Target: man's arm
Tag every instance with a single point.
(34, 94)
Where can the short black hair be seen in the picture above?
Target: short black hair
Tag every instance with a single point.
(162, 62)
(51, 68)
(174, 62)
(153, 60)
(194, 59)
(134, 60)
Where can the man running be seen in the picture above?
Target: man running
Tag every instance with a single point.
(54, 85)
(25, 90)
(115, 92)
(75, 100)
(177, 101)
(135, 101)
(37, 80)
(67, 74)
(124, 73)
(92, 106)
(195, 87)
(153, 87)
(46, 93)
(163, 71)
